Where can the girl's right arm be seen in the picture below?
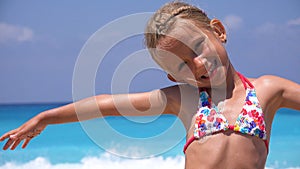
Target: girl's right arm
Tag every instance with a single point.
(139, 104)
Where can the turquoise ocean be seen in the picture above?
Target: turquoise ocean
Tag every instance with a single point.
(67, 146)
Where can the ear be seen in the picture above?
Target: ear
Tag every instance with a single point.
(170, 77)
(219, 29)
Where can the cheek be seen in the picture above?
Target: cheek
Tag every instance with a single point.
(183, 75)
(224, 59)
(218, 50)
(208, 49)
(214, 47)
(186, 73)
(220, 78)
(161, 63)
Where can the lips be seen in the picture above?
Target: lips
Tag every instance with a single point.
(207, 76)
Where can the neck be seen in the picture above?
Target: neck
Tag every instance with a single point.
(225, 90)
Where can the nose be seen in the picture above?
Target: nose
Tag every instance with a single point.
(199, 67)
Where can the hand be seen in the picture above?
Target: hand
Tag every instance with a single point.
(25, 132)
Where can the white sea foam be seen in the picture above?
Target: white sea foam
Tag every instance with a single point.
(106, 161)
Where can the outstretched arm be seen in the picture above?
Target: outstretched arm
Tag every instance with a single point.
(140, 104)
(281, 92)
(290, 94)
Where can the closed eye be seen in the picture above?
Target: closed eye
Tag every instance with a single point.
(181, 65)
(198, 46)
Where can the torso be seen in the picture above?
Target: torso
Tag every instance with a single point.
(227, 149)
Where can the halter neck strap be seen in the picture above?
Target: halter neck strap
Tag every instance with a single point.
(245, 81)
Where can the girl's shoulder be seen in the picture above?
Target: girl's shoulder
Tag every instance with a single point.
(277, 90)
(181, 93)
(179, 90)
(271, 82)
(265, 79)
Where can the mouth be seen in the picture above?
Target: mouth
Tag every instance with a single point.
(205, 78)
(210, 72)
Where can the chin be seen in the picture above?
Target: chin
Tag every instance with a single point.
(220, 84)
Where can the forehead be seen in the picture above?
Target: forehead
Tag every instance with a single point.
(183, 32)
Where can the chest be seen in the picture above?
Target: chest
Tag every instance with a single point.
(210, 119)
(230, 109)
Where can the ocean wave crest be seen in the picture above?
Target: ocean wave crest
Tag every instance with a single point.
(106, 161)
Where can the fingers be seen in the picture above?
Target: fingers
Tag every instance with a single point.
(26, 142)
(15, 138)
(15, 144)
(10, 140)
(7, 135)
(8, 144)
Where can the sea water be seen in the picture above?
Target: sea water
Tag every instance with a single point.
(65, 146)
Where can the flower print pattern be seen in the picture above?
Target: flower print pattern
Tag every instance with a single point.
(253, 123)
(210, 120)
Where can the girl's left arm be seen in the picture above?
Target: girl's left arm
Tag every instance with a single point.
(289, 93)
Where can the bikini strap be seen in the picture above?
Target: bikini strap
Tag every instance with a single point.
(245, 81)
(189, 141)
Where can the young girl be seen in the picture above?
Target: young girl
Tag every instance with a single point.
(227, 116)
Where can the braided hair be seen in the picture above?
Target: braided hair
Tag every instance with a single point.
(163, 20)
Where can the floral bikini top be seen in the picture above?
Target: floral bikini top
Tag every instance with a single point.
(210, 120)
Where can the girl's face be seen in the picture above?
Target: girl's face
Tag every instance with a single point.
(194, 55)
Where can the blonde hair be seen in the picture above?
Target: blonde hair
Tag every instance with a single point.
(163, 20)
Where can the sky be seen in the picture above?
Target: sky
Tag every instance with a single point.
(40, 42)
